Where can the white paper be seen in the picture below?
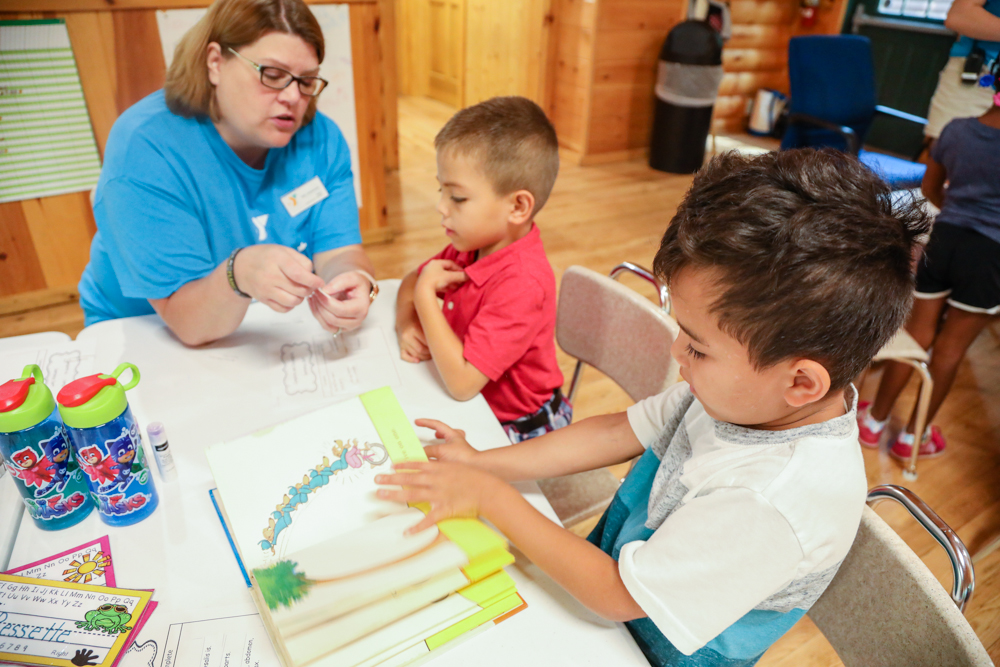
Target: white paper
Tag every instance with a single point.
(60, 363)
(218, 642)
(257, 475)
(318, 370)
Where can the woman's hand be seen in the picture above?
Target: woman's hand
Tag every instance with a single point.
(275, 275)
(454, 449)
(451, 489)
(343, 302)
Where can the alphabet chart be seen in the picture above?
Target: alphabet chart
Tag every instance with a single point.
(66, 624)
(88, 563)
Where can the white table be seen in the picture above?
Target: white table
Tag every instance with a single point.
(222, 391)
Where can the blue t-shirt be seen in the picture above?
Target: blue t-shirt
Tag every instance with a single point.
(963, 45)
(174, 201)
(970, 153)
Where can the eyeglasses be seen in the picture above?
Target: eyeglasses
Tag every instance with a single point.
(279, 79)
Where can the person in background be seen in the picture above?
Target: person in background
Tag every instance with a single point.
(977, 23)
(958, 278)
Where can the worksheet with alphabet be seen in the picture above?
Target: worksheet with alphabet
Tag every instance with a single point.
(66, 624)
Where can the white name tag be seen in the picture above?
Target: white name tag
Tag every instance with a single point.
(306, 195)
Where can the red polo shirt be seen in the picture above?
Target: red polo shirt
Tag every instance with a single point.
(505, 316)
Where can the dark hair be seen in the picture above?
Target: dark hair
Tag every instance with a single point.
(814, 257)
(514, 142)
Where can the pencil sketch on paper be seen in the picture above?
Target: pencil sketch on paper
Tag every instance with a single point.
(300, 368)
(348, 455)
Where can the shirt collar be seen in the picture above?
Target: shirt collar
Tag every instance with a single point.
(483, 269)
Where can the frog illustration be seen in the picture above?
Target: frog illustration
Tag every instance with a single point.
(109, 618)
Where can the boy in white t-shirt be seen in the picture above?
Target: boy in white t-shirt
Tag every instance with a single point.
(788, 271)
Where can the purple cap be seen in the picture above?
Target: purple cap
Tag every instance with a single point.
(157, 434)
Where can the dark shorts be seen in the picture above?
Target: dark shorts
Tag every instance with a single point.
(962, 265)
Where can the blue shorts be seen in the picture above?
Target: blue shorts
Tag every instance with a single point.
(545, 420)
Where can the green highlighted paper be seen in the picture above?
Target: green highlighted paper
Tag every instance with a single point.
(334, 576)
(47, 145)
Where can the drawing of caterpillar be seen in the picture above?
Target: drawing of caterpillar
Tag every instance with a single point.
(348, 455)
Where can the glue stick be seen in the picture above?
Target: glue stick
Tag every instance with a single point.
(161, 450)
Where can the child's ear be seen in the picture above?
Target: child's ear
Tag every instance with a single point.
(810, 383)
(522, 205)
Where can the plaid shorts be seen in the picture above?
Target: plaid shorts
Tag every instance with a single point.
(562, 416)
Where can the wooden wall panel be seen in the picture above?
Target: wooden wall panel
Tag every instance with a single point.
(413, 40)
(98, 75)
(627, 45)
(61, 228)
(390, 90)
(506, 45)
(139, 66)
(20, 270)
(572, 36)
(367, 56)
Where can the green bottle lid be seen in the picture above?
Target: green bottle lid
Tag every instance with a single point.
(25, 402)
(95, 399)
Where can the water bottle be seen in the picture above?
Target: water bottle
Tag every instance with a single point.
(37, 453)
(108, 446)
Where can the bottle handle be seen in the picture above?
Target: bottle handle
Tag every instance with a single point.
(33, 370)
(121, 369)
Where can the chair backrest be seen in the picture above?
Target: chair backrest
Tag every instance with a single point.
(885, 607)
(830, 77)
(616, 330)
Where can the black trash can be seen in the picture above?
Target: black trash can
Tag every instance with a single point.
(687, 84)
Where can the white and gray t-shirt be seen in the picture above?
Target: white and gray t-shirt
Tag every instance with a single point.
(744, 519)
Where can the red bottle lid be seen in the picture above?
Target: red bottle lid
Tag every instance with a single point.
(78, 392)
(13, 393)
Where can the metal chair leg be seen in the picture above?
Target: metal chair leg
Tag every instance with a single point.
(920, 422)
(574, 383)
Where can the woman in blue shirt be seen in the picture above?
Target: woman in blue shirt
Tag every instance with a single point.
(227, 185)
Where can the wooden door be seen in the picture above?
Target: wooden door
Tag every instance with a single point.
(447, 51)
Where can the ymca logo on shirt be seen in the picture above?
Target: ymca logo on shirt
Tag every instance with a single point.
(305, 196)
(260, 222)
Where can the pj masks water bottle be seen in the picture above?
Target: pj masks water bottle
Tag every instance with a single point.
(108, 446)
(38, 455)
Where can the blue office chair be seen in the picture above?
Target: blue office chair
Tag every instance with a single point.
(833, 103)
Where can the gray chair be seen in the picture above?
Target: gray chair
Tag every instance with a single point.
(885, 607)
(620, 333)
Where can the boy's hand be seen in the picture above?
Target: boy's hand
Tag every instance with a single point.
(451, 489)
(441, 275)
(412, 342)
(454, 449)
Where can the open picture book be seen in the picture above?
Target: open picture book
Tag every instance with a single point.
(336, 580)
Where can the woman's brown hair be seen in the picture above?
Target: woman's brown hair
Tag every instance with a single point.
(232, 24)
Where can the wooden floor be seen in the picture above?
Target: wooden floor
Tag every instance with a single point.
(601, 215)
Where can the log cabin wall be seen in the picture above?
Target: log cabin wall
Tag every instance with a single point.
(45, 242)
(605, 54)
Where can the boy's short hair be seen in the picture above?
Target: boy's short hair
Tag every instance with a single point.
(514, 142)
(814, 257)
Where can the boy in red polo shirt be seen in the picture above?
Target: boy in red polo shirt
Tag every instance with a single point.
(497, 162)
